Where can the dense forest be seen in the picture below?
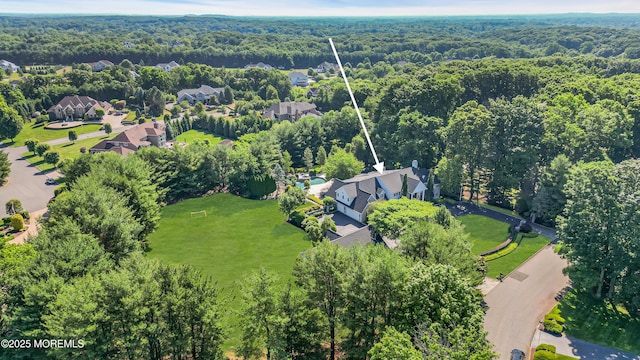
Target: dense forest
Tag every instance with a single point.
(302, 42)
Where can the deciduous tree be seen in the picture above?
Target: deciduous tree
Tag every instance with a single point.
(342, 165)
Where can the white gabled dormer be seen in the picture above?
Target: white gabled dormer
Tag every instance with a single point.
(343, 197)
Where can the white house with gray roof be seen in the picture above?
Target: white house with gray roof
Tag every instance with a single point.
(354, 195)
(202, 94)
(4, 64)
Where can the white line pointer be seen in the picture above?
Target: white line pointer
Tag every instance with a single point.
(379, 165)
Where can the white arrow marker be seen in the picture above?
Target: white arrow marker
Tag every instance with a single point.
(379, 165)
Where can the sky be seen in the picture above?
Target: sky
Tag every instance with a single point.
(319, 7)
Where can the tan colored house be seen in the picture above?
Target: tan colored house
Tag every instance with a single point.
(71, 107)
(100, 65)
(130, 140)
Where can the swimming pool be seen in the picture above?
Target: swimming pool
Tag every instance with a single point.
(315, 180)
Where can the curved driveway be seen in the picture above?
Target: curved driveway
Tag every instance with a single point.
(26, 183)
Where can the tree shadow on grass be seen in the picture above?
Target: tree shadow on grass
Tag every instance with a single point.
(599, 321)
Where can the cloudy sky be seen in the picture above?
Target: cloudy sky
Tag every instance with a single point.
(319, 7)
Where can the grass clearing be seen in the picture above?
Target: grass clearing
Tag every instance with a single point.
(37, 131)
(486, 233)
(237, 236)
(192, 135)
(67, 151)
(599, 322)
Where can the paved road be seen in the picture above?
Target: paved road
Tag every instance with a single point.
(518, 303)
(579, 348)
(26, 183)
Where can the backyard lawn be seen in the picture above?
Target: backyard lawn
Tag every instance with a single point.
(38, 132)
(67, 151)
(486, 233)
(236, 237)
(190, 136)
(599, 322)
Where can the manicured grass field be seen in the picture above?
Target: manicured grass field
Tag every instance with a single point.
(508, 263)
(38, 132)
(600, 322)
(67, 151)
(486, 233)
(190, 136)
(237, 236)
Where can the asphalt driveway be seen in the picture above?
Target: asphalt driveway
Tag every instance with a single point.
(25, 183)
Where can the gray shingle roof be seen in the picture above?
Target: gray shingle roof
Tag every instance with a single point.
(361, 236)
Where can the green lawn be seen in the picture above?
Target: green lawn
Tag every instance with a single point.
(67, 151)
(192, 135)
(238, 236)
(486, 233)
(38, 132)
(599, 322)
(526, 249)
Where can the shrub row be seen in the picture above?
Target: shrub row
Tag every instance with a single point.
(506, 251)
(315, 199)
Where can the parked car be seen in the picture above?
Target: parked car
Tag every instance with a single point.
(517, 354)
(50, 181)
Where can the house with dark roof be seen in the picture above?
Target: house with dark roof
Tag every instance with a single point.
(354, 195)
(130, 140)
(202, 94)
(71, 107)
(298, 79)
(326, 66)
(291, 111)
(167, 66)
(100, 65)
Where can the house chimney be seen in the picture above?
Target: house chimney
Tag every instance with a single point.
(155, 124)
(414, 164)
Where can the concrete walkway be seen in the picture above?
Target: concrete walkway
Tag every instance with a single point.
(581, 349)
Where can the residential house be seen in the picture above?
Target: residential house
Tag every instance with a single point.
(298, 79)
(130, 140)
(75, 106)
(401, 63)
(100, 65)
(354, 195)
(326, 66)
(167, 66)
(202, 94)
(4, 64)
(259, 65)
(291, 111)
(128, 44)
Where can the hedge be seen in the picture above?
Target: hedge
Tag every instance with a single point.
(315, 199)
(555, 317)
(552, 327)
(546, 347)
(506, 251)
(544, 355)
